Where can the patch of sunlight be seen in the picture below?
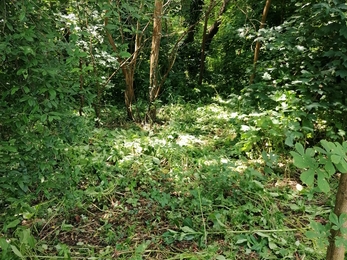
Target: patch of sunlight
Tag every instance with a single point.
(210, 162)
(186, 139)
(135, 146)
(157, 141)
(224, 160)
(212, 111)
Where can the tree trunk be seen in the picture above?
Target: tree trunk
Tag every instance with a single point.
(154, 86)
(334, 252)
(209, 33)
(203, 42)
(128, 67)
(257, 46)
(129, 94)
(213, 30)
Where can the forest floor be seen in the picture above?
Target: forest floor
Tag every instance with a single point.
(188, 188)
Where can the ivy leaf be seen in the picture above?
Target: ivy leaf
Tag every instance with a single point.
(307, 177)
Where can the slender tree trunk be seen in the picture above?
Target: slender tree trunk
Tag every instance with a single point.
(257, 46)
(128, 67)
(334, 252)
(214, 28)
(154, 84)
(203, 42)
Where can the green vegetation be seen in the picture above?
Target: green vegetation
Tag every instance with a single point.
(173, 130)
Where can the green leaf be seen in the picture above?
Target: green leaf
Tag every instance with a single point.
(289, 141)
(156, 160)
(124, 54)
(333, 218)
(299, 148)
(52, 93)
(22, 15)
(320, 150)
(188, 229)
(323, 185)
(329, 167)
(307, 177)
(272, 245)
(335, 158)
(16, 251)
(342, 166)
(311, 234)
(328, 146)
(14, 90)
(12, 224)
(3, 244)
(299, 160)
(310, 152)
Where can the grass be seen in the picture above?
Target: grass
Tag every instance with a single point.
(181, 189)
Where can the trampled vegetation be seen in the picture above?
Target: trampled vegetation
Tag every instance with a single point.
(173, 130)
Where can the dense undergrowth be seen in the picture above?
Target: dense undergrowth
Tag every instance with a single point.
(207, 182)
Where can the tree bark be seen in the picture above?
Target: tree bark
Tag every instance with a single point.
(257, 46)
(213, 30)
(209, 33)
(334, 252)
(203, 42)
(128, 67)
(154, 86)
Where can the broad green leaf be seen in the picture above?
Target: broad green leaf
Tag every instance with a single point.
(156, 160)
(52, 93)
(272, 245)
(320, 150)
(342, 166)
(307, 177)
(333, 218)
(299, 148)
(310, 152)
(289, 141)
(323, 185)
(329, 167)
(14, 90)
(335, 158)
(328, 146)
(124, 54)
(311, 234)
(299, 160)
(188, 229)
(3, 244)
